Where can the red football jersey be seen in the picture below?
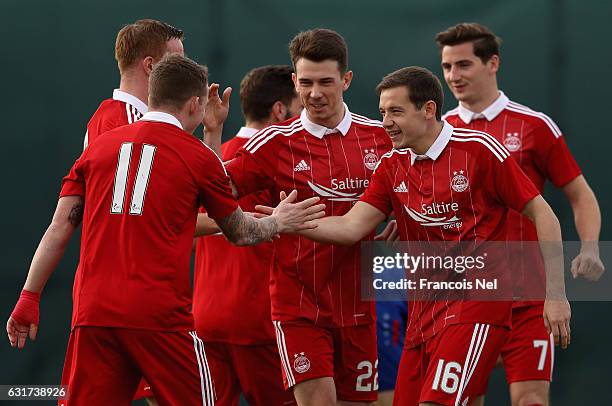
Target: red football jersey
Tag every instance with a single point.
(533, 139)
(230, 279)
(142, 184)
(538, 146)
(121, 109)
(311, 281)
(461, 189)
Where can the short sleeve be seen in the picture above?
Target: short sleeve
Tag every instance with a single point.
(377, 192)
(510, 185)
(73, 184)
(560, 166)
(215, 189)
(253, 170)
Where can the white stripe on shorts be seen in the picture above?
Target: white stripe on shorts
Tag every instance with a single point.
(479, 336)
(282, 350)
(208, 396)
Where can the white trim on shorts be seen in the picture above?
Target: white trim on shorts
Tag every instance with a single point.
(284, 356)
(208, 392)
(479, 337)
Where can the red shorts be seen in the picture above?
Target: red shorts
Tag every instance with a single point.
(253, 370)
(451, 367)
(529, 352)
(104, 366)
(348, 354)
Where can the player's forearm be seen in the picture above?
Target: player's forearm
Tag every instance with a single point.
(587, 218)
(334, 230)
(67, 217)
(205, 226)
(242, 229)
(212, 138)
(48, 255)
(549, 235)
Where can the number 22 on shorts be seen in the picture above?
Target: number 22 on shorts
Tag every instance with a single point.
(362, 384)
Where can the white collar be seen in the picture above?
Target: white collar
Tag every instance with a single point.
(489, 113)
(435, 150)
(246, 132)
(131, 100)
(161, 117)
(319, 131)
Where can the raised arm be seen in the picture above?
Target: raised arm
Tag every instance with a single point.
(348, 229)
(287, 217)
(217, 109)
(587, 218)
(557, 311)
(24, 319)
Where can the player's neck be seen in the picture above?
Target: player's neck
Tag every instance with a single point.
(427, 140)
(257, 125)
(487, 98)
(135, 86)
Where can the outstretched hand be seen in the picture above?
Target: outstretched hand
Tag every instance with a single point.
(292, 216)
(217, 108)
(266, 211)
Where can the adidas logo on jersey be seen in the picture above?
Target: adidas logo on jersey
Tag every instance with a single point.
(302, 166)
(401, 188)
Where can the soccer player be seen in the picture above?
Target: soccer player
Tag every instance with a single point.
(137, 48)
(241, 351)
(470, 62)
(325, 333)
(474, 181)
(137, 190)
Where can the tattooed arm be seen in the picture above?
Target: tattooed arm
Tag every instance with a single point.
(242, 229)
(287, 217)
(68, 216)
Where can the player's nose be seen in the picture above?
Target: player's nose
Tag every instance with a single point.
(454, 74)
(387, 122)
(315, 92)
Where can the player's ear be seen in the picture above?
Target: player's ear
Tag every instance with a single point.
(194, 104)
(295, 81)
(278, 112)
(147, 64)
(430, 109)
(347, 78)
(494, 64)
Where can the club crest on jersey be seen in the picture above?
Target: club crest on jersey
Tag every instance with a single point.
(459, 182)
(512, 142)
(370, 159)
(301, 363)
